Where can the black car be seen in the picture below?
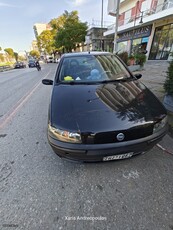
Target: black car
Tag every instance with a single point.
(100, 111)
(19, 65)
(31, 63)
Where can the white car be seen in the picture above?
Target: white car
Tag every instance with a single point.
(50, 60)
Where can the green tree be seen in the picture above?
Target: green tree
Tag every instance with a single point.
(72, 32)
(9, 57)
(16, 56)
(34, 53)
(57, 23)
(168, 85)
(21, 58)
(46, 41)
(9, 51)
(2, 58)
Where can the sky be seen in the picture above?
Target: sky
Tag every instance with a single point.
(17, 18)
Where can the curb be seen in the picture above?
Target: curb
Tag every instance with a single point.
(5, 68)
(165, 150)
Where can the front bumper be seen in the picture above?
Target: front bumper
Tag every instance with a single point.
(96, 152)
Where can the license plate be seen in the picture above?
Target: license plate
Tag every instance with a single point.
(117, 157)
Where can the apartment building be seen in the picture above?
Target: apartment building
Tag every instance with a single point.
(98, 41)
(146, 25)
(39, 28)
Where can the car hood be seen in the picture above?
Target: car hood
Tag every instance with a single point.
(103, 107)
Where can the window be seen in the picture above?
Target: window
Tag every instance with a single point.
(92, 68)
(162, 43)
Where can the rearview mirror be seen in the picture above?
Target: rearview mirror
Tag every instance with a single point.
(47, 82)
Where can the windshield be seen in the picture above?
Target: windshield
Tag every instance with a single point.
(94, 68)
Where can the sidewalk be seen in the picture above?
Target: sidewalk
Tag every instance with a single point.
(5, 68)
(153, 76)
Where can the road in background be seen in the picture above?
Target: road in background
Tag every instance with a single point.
(38, 190)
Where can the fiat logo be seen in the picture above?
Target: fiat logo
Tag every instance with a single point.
(120, 137)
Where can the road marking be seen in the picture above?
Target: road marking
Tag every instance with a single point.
(8, 116)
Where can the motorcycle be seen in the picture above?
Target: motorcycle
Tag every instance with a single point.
(38, 67)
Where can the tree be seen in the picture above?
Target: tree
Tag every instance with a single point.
(16, 56)
(34, 53)
(9, 54)
(168, 85)
(2, 57)
(57, 23)
(71, 33)
(21, 58)
(9, 51)
(46, 41)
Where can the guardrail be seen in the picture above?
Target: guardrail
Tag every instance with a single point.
(5, 68)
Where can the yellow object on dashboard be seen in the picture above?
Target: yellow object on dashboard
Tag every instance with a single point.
(68, 78)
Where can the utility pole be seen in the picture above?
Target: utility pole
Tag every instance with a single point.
(116, 27)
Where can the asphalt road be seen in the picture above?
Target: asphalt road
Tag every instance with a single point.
(38, 190)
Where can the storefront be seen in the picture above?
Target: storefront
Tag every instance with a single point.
(162, 44)
(134, 40)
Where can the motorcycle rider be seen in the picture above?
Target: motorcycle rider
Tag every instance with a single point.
(37, 64)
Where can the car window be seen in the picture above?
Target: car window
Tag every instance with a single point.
(92, 68)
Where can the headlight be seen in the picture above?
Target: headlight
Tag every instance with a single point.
(64, 135)
(158, 126)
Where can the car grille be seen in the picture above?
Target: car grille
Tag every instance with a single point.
(131, 134)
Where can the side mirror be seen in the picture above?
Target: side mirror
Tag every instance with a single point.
(47, 82)
(138, 75)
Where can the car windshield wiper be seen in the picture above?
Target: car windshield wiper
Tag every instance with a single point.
(118, 79)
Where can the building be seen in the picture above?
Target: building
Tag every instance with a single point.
(34, 45)
(95, 41)
(39, 28)
(145, 25)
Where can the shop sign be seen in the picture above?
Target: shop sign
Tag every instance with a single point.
(144, 31)
(145, 39)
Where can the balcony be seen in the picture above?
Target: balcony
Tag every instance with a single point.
(148, 16)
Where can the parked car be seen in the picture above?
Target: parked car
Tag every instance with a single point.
(19, 65)
(50, 60)
(31, 63)
(58, 60)
(100, 111)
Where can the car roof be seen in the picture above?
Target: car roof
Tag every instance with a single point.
(85, 53)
